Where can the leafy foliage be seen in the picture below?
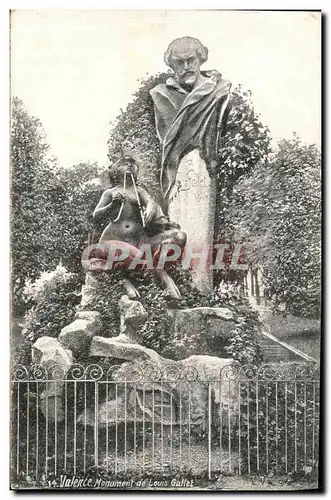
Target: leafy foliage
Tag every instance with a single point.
(243, 344)
(78, 190)
(52, 301)
(32, 200)
(105, 301)
(52, 207)
(276, 210)
(244, 143)
(134, 131)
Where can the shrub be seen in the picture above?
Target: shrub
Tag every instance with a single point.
(157, 332)
(109, 290)
(52, 300)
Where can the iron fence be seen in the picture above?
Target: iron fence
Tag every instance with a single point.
(141, 419)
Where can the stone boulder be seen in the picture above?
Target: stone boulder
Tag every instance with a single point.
(215, 373)
(52, 357)
(192, 326)
(122, 347)
(78, 335)
(150, 386)
(133, 315)
(48, 352)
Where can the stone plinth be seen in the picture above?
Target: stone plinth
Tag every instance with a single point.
(192, 204)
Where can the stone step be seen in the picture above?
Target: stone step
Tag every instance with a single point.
(274, 349)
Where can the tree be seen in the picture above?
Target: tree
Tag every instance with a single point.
(245, 143)
(78, 191)
(276, 210)
(51, 213)
(32, 199)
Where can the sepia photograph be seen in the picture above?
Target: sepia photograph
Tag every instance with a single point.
(165, 250)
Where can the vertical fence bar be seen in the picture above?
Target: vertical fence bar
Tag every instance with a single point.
(18, 430)
(55, 430)
(180, 425)
(189, 425)
(295, 428)
(209, 430)
(85, 409)
(75, 429)
(221, 423)
(46, 431)
(27, 427)
(286, 427)
(135, 426)
(162, 450)
(171, 422)
(37, 429)
(107, 437)
(276, 421)
(116, 428)
(257, 427)
(125, 425)
(267, 426)
(305, 424)
(239, 427)
(65, 424)
(318, 420)
(144, 403)
(229, 426)
(96, 411)
(313, 451)
(248, 434)
(153, 428)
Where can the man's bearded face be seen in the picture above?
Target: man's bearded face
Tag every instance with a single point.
(185, 64)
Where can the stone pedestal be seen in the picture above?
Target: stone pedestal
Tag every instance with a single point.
(192, 204)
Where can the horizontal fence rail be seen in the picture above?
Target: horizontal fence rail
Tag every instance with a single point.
(140, 419)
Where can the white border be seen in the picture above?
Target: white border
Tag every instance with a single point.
(4, 184)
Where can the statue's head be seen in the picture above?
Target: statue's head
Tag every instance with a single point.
(185, 56)
(125, 165)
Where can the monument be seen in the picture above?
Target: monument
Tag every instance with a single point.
(190, 116)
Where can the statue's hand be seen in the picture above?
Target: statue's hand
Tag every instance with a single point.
(118, 197)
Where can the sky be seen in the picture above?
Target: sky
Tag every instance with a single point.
(76, 69)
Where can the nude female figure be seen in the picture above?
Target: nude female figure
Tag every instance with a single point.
(134, 217)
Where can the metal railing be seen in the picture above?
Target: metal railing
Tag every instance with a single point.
(141, 419)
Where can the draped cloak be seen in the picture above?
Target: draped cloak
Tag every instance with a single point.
(188, 120)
